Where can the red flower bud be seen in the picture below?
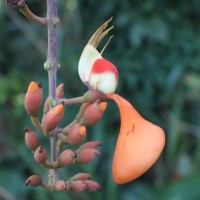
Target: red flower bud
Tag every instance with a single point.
(60, 186)
(33, 99)
(77, 186)
(53, 117)
(93, 113)
(81, 177)
(66, 157)
(92, 186)
(76, 134)
(31, 139)
(60, 91)
(40, 155)
(87, 145)
(34, 181)
(86, 155)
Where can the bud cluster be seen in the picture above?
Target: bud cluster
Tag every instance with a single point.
(73, 134)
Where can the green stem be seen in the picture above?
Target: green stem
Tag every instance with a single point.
(37, 124)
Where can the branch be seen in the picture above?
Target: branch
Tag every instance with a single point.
(31, 16)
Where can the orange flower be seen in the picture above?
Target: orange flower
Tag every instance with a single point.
(139, 144)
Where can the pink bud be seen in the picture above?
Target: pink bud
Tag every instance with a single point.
(77, 186)
(103, 76)
(66, 157)
(53, 117)
(60, 186)
(33, 99)
(34, 181)
(93, 113)
(85, 156)
(76, 134)
(40, 155)
(81, 177)
(92, 185)
(31, 139)
(92, 145)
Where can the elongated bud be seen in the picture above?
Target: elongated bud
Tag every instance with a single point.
(59, 95)
(34, 181)
(40, 155)
(66, 157)
(77, 186)
(86, 156)
(93, 113)
(92, 186)
(87, 145)
(60, 186)
(33, 99)
(76, 134)
(31, 139)
(81, 177)
(53, 117)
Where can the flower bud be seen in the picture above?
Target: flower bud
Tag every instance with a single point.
(40, 155)
(93, 113)
(66, 157)
(53, 117)
(34, 181)
(77, 186)
(103, 76)
(76, 134)
(31, 139)
(33, 99)
(92, 145)
(81, 177)
(60, 186)
(85, 156)
(92, 186)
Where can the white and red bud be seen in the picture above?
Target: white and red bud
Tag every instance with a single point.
(77, 186)
(92, 186)
(53, 117)
(31, 139)
(103, 76)
(34, 181)
(85, 156)
(93, 113)
(33, 99)
(76, 134)
(60, 186)
(40, 155)
(81, 177)
(66, 157)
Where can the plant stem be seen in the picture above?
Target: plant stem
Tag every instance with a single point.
(52, 22)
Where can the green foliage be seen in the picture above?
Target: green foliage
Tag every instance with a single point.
(156, 49)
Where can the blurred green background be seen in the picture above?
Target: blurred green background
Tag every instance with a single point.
(156, 49)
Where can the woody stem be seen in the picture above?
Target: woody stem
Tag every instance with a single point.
(52, 62)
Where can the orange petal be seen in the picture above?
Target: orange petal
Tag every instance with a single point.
(139, 144)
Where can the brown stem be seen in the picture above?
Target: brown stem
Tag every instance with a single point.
(52, 62)
(31, 16)
(77, 100)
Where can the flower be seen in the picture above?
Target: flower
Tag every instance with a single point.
(140, 142)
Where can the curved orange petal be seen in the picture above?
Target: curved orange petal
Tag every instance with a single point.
(139, 144)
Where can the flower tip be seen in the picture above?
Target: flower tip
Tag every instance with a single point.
(58, 109)
(103, 106)
(33, 86)
(82, 130)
